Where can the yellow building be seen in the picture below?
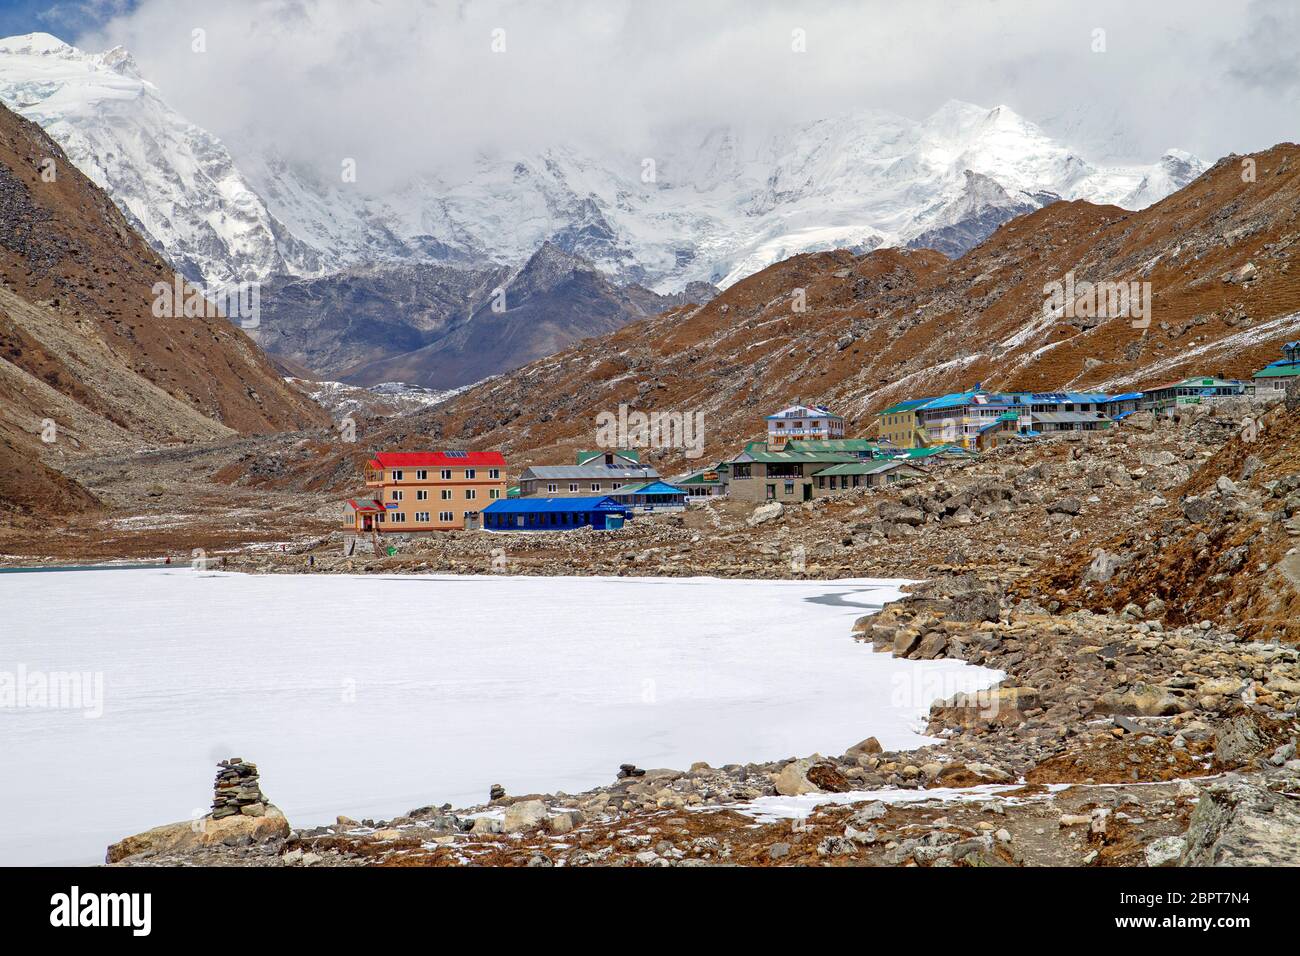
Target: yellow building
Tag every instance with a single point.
(900, 426)
(427, 491)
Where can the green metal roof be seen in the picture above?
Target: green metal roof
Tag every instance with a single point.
(782, 457)
(1279, 371)
(697, 478)
(832, 444)
(586, 456)
(935, 450)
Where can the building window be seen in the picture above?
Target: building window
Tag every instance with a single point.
(595, 486)
(446, 474)
(397, 474)
(398, 517)
(494, 473)
(445, 516)
(422, 494)
(445, 494)
(470, 494)
(789, 487)
(380, 517)
(422, 517)
(494, 492)
(573, 486)
(551, 486)
(421, 475)
(618, 485)
(397, 495)
(469, 474)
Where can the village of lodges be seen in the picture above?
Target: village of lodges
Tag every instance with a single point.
(805, 456)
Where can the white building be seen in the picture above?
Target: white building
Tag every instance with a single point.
(802, 422)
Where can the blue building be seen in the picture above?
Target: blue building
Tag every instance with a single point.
(554, 514)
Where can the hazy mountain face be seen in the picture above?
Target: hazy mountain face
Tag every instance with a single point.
(710, 205)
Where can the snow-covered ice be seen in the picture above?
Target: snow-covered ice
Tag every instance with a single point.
(372, 695)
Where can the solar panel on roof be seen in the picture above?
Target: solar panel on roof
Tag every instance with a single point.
(455, 454)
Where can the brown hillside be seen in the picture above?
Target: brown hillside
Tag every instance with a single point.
(79, 345)
(894, 324)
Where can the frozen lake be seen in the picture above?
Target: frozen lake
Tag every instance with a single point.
(372, 695)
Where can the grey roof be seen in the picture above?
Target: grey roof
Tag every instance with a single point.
(1063, 418)
(584, 473)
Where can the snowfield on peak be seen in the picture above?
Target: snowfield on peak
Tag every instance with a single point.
(705, 204)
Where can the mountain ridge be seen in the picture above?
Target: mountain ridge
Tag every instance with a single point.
(714, 205)
(894, 323)
(86, 363)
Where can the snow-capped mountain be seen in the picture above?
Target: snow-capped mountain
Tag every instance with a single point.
(709, 205)
(174, 181)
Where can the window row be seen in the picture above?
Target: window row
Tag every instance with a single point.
(445, 474)
(445, 494)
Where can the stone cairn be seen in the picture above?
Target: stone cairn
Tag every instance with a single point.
(237, 790)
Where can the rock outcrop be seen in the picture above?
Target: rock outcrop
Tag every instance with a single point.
(1237, 823)
(240, 816)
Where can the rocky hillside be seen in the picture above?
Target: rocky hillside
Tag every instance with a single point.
(893, 324)
(435, 325)
(1223, 548)
(84, 363)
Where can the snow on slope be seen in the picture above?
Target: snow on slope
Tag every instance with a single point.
(723, 203)
(174, 181)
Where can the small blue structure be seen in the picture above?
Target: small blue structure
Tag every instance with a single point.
(554, 514)
(651, 496)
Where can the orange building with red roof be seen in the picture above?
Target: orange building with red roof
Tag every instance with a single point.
(426, 491)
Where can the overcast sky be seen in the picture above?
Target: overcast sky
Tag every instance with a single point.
(406, 83)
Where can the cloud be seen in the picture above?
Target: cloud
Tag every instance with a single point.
(406, 86)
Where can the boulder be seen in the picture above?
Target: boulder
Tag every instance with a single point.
(826, 777)
(205, 831)
(1001, 705)
(1199, 510)
(930, 646)
(564, 821)
(765, 513)
(869, 746)
(523, 816)
(1140, 700)
(905, 642)
(1238, 742)
(793, 780)
(1166, 851)
(1239, 824)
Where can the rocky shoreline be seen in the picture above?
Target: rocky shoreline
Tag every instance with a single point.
(1094, 751)
(1136, 587)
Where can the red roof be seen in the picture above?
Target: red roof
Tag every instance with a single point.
(438, 459)
(365, 504)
